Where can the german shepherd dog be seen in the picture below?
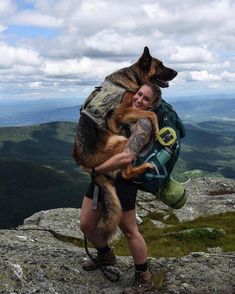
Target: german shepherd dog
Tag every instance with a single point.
(94, 145)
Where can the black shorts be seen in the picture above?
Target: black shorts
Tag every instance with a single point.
(126, 192)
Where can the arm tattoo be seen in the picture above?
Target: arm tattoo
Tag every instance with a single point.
(139, 136)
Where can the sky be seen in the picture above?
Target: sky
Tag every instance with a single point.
(64, 48)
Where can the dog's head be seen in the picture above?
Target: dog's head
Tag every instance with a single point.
(154, 70)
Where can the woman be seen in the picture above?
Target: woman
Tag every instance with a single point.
(144, 99)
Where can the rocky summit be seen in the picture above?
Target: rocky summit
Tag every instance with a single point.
(44, 255)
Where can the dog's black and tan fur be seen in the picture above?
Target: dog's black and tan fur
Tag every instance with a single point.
(94, 145)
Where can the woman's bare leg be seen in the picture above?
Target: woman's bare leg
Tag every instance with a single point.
(89, 220)
(136, 242)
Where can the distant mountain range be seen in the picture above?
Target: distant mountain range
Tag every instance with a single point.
(37, 171)
(42, 116)
(36, 112)
(205, 110)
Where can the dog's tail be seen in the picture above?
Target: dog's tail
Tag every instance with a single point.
(111, 212)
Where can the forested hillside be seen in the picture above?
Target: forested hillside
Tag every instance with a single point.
(37, 170)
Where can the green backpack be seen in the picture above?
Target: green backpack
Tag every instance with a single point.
(164, 155)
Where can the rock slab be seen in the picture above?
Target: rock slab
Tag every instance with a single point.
(34, 261)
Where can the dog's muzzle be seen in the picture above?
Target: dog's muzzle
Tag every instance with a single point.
(162, 79)
(160, 83)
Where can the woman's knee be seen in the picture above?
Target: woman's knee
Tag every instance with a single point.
(88, 225)
(89, 218)
(84, 227)
(128, 224)
(130, 232)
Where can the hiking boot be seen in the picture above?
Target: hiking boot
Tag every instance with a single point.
(142, 282)
(101, 259)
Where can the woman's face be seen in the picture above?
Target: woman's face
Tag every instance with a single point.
(143, 99)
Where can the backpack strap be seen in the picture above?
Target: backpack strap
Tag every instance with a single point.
(167, 116)
(95, 197)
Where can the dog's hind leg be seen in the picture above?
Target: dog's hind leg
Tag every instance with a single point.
(112, 211)
(131, 172)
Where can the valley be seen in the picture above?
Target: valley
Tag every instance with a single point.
(37, 171)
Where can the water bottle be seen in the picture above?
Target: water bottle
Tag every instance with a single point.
(164, 155)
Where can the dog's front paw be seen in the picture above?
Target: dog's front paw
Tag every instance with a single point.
(87, 170)
(112, 174)
(150, 165)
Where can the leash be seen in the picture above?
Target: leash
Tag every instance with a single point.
(110, 272)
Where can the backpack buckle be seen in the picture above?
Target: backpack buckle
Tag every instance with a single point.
(166, 136)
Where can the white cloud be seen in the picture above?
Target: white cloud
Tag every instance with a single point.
(157, 13)
(84, 68)
(228, 76)
(115, 43)
(203, 76)
(11, 56)
(192, 54)
(35, 85)
(38, 19)
(7, 7)
(94, 38)
(2, 28)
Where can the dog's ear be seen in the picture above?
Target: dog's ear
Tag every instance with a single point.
(145, 59)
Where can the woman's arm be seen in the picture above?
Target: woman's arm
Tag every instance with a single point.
(139, 138)
(117, 161)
